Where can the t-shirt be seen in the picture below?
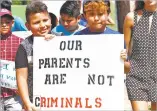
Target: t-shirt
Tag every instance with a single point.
(24, 59)
(19, 25)
(61, 29)
(86, 31)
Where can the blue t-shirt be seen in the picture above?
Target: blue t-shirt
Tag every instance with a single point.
(83, 22)
(19, 25)
(61, 29)
(86, 31)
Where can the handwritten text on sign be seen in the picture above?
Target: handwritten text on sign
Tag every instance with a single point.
(78, 73)
(8, 74)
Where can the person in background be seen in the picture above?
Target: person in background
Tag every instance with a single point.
(140, 32)
(9, 99)
(39, 23)
(19, 24)
(69, 18)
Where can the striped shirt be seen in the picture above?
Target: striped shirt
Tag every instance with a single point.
(8, 47)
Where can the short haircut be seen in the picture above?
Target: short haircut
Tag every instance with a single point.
(35, 7)
(88, 2)
(6, 4)
(70, 8)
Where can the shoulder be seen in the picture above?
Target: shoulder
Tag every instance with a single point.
(58, 28)
(129, 19)
(16, 37)
(82, 32)
(18, 19)
(27, 41)
(110, 31)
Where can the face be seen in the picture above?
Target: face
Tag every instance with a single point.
(150, 2)
(96, 20)
(6, 25)
(39, 24)
(69, 23)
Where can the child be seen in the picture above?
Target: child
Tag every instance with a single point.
(39, 22)
(19, 25)
(70, 16)
(96, 13)
(8, 46)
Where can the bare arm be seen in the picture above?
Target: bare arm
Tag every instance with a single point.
(128, 24)
(22, 75)
(110, 21)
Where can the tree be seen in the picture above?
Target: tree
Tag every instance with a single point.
(123, 7)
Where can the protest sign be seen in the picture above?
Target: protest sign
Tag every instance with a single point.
(78, 73)
(8, 74)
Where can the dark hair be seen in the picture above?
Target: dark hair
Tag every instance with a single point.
(54, 20)
(35, 7)
(70, 8)
(107, 2)
(139, 5)
(6, 4)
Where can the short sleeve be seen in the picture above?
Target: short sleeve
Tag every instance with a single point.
(21, 58)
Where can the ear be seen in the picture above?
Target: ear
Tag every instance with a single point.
(78, 18)
(27, 25)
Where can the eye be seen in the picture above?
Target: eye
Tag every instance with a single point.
(37, 22)
(100, 14)
(45, 20)
(91, 14)
(69, 21)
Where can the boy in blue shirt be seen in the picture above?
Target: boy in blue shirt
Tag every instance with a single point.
(69, 18)
(96, 13)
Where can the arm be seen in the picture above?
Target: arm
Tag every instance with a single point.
(128, 24)
(22, 75)
(21, 64)
(110, 21)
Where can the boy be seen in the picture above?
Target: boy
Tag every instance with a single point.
(8, 46)
(39, 22)
(70, 16)
(96, 13)
(19, 25)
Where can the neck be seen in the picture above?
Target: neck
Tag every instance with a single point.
(150, 8)
(5, 36)
(97, 31)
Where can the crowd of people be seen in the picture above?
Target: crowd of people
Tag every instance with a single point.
(140, 32)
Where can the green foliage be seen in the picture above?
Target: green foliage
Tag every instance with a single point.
(20, 2)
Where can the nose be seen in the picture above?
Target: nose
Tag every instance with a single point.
(42, 24)
(65, 23)
(3, 24)
(96, 18)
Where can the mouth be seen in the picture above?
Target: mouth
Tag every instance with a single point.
(4, 29)
(44, 31)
